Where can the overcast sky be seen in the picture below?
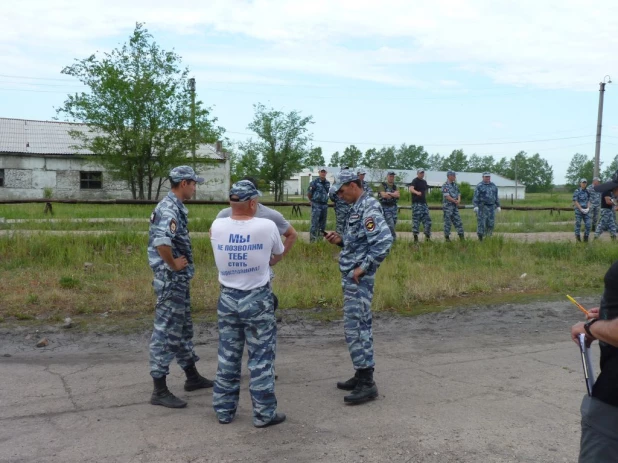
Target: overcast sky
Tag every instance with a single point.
(491, 77)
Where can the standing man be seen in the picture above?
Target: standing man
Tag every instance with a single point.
(595, 202)
(342, 210)
(608, 221)
(171, 258)
(451, 198)
(245, 247)
(420, 211)
(486, 203)
(581, 203)
(361, 175)
(318, 195)
(366, 242)
(389, 195)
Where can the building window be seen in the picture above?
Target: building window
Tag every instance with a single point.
(1, 177)
(91, 180)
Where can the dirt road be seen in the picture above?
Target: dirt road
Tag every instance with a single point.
(465, 385)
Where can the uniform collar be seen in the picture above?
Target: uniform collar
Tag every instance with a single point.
(178, 202)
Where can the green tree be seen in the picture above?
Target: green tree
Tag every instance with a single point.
(370, 157)
(434, 162)
(611, 168)
(579, 167)
(314, 158)
(138, 110)
(409, 157)
(534, 172)
(334, 160)
(281, 144)
(478, 163)
(248, 164)
(456, 161)
(351, 157)
(501, 167)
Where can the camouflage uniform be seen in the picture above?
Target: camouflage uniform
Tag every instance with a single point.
(486, 200)
(366, 242)
(246, 316)
(608, 221)
(367, 188)
(389, 207)
(319, 208)
(342, 211)
(582, 196)
(173, 328)
(450, 210)
(595, 206)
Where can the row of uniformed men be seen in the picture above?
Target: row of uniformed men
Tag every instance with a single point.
(486, 203)
(246, 242)
(596, 209)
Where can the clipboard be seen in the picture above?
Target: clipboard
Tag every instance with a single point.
(586, 364)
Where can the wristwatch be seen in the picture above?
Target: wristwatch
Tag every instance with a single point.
(588, 325)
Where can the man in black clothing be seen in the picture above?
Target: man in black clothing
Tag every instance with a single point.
(420, 211)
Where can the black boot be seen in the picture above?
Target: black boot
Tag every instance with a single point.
(585, 238)
(365, 389)
(578, 238)
(162, 395)
(461, 237)
(427, 237)
(416, 238)
(195, 380)
(447, 238)
(277, 419)
(480, 237)
(350, 384)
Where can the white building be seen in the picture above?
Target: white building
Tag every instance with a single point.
(506, 188)
(39, 155)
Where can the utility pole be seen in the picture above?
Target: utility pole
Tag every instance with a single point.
(597, 151)
(193, 142)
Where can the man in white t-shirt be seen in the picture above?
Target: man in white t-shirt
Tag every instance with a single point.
(245, 247)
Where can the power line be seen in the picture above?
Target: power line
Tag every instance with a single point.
(34, 78)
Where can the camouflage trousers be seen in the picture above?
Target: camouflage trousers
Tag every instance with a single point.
(390, 217)
(319, 212)
(607, 223)
(451, 216)
(173, 328)
(357, 319)
(595, 211)
(342, 212)
(485, 220)
(246, 316)
(420, 213)
(578, 223)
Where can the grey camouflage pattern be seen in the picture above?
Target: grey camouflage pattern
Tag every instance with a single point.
(420, 213)
(485, 220)
(607, 223)
(246, 316)
(319, 213)
(358, 318)
(451, 215)
(578, 223)
(342, 212)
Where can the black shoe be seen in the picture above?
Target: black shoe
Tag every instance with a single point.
(416, 238)
(447, 239)
(350, 384)
(585, 238)
(277, 419)
(480, 237)
(227, 420)
(365, 390)
(578, 238)
(195, 380)
(427, 237)
(461, 237)
(162, 395)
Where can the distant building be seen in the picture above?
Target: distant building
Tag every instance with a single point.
(506, 188)
(36, 155)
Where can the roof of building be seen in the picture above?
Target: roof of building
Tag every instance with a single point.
(434, 178)
(22, 136)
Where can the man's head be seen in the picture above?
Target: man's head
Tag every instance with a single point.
(451, 175)
(322, 174)
(486, 177)
(583, 183)
(183, 181)
(420, 173)
(390, 177)
(361, 174)
(244, 197)
(596, 181)
(348, 186)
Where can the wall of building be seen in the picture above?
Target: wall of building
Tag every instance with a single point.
(27, 176)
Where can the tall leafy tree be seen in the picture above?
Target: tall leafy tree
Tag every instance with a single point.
(334, 160)
(281, 144)
(409, 157)
(138, 110)
(351, 157)
(478, 163)
(532, 171)
(579, 167)
(456, 161)
(314, 157)
(435, 161)
(611, 168)
(247, 164)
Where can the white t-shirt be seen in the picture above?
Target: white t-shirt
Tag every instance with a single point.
(242, 250)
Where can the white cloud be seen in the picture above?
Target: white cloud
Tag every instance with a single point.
(550, 43)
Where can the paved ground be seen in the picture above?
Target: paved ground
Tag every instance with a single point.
(466, 385)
